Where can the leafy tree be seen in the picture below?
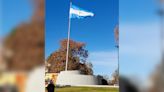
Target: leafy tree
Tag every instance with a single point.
(158, 79)
(76, 59)
(115, 77)
(103, 79)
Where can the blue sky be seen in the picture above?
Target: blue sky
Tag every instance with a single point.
(139, 38)
(14, 13)
(96, 32)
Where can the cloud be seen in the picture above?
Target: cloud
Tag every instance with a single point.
(104, 58)
(139, 48)
(104, 62)
(140, 40)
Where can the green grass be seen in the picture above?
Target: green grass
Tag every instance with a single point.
(86, 89)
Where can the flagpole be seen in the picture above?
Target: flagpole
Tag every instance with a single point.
(69, 29)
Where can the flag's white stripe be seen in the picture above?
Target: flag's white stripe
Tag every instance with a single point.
(80, 12)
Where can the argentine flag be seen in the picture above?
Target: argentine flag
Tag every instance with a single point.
(76, 12)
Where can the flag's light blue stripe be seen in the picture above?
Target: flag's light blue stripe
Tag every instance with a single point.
(79, 17)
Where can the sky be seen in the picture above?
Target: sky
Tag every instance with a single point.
(96, 32)
(14, 14)
(139, 38)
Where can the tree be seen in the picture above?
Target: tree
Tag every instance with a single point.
(158, 79)
(103, 79)
(85, 69)
(115, 77)
(76, 59)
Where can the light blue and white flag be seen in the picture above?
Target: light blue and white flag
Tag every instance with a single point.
(76, 12)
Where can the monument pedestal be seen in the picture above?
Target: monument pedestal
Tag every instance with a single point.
(75, 78)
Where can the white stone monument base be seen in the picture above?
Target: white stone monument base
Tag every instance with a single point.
(74, 78)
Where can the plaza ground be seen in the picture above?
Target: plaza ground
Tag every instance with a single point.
(86, 89)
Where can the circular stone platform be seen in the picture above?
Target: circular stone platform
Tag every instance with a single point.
(75, 78)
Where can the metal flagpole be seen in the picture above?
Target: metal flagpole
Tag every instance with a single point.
(69, 29)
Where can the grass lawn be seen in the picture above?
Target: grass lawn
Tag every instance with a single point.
(86, 89)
